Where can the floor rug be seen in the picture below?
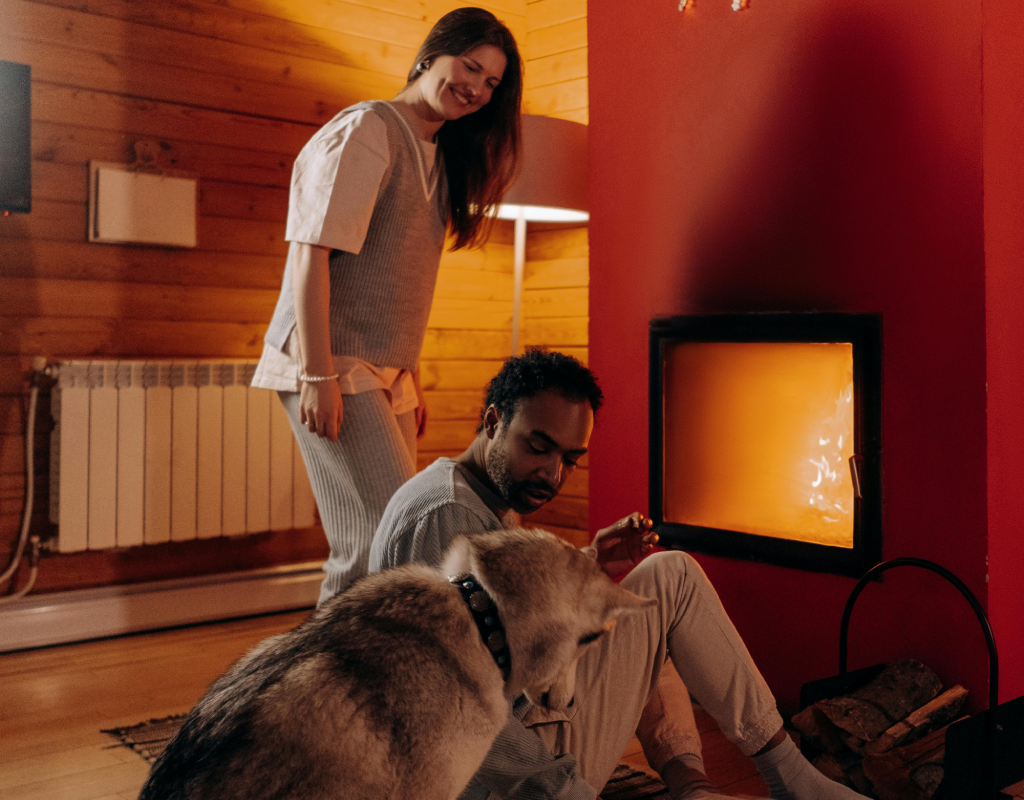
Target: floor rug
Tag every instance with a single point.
(148, 739)
(627, 783)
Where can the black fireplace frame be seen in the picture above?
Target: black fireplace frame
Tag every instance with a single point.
(864, 332)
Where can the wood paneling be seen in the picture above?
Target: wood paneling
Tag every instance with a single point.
(557, 243)
(555, 315)
(555, 293)
(559, 68)
(33, 297)
(76, 27)
(264, 32)
(568, 301)
(563, 100)
(556, 59)
(75, 145)
(147, 118)
(230, 90)
(547, 13)
(555, 333)
(84, 337)
(558, 273)
(561, 38)
(61, 65)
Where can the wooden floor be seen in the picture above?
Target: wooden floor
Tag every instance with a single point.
(54, 703)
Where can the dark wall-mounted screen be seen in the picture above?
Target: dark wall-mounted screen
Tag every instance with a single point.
(15, 137)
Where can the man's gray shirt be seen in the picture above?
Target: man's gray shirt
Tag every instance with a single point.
(423, 518)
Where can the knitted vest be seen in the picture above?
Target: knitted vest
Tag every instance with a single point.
(380, 298)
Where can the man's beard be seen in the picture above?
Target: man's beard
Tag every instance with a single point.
(511, 491)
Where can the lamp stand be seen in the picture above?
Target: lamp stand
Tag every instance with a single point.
(518, 270)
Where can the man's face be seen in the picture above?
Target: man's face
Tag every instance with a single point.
(531, 455)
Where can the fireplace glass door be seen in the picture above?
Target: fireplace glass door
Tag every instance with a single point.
(765, 437)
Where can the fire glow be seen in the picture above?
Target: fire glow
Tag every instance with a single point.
(758, 439)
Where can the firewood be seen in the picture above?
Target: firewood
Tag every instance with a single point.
(829, 766)
(931, 715)
(859, 781)
(844, 768)
(928, 777)
(818, 731)
(855, 743)
(892, 773)
(903, 686)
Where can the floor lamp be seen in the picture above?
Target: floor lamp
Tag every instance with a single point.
(551, 187)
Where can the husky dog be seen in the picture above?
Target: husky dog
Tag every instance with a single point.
(397, 687)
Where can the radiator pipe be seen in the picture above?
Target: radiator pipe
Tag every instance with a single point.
(30, 491)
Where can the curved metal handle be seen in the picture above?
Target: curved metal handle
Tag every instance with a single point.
(878, 569)
(990, 640)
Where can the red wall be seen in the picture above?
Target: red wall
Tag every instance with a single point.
(806, 155)
(1004, 255)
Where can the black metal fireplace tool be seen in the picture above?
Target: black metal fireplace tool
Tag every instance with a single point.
(983, 753)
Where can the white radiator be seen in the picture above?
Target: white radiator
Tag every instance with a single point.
(158, 451)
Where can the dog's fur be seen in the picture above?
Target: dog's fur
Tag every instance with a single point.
(387, 691)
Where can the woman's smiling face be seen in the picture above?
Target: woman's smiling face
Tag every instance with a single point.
(454, 86)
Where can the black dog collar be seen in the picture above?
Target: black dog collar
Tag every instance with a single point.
(485, 615)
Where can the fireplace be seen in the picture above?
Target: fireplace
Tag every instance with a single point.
(766, 437)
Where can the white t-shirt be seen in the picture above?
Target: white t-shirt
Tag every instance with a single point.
(334, 188)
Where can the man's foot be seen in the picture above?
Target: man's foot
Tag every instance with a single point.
(687, 782)
(684, 776)
(790, 776)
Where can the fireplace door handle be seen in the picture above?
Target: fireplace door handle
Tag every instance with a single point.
(855, 475)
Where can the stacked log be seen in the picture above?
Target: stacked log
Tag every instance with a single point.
(887, 739)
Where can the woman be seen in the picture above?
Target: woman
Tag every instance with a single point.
(373, 195)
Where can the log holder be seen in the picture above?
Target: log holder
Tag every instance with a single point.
(983, 752)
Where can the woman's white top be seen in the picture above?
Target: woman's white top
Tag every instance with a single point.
(335, 185)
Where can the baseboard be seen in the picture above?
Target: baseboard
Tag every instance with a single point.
(63, 617)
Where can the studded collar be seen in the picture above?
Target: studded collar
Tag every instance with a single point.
(485, 615)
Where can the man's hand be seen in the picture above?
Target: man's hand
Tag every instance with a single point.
(620, 547)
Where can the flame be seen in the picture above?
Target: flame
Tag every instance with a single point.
(758, 438)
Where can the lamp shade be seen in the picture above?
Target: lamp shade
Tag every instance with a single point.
(552, 182)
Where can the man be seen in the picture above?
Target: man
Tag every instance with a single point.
(536, 425)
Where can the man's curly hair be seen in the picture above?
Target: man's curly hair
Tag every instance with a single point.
(536, 371)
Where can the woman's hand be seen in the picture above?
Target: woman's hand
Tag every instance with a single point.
(621, 546)
(320, 408)
(319, 401)
(421, 404)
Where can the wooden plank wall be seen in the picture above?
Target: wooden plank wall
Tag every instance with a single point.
(231, 89)
(555, 316)
(555, 298)
(556, 59)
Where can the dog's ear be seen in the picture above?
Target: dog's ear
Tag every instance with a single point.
(620, 603)
(459, 557)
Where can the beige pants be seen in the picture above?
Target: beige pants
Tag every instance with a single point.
(626, 684)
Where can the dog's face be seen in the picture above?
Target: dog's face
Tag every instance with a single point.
(575, 622)
(554, 602)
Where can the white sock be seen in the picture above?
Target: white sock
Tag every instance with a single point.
(790, 776)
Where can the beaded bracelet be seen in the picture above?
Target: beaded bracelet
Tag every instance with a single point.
(317, 378)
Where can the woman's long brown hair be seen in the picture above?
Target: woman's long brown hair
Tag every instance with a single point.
(481, 150)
